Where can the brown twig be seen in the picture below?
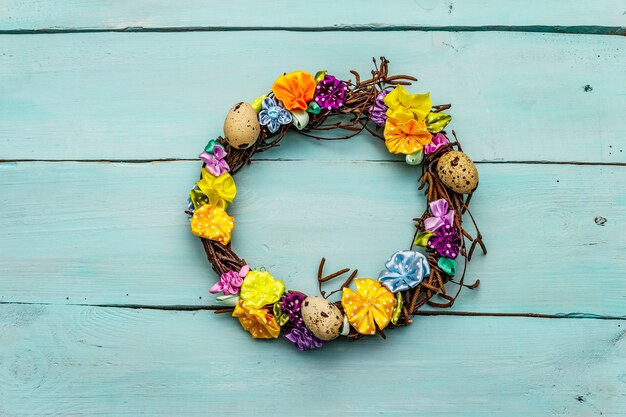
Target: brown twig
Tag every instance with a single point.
(354, 118)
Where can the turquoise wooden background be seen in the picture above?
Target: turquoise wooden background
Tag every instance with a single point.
(104, 106)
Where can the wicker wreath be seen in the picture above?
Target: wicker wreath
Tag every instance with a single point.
(316, 106)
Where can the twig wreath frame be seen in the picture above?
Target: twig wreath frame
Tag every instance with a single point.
(411, 126)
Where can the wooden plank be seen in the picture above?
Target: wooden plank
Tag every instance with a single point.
(120, 14)
(93, 233)
(69, 360)
(154, 95)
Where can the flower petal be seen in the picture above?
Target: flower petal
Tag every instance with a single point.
(258, 322)
(260, 288)
(212, 222)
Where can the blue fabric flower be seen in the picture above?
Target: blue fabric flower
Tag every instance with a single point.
(273, 114)
(405, 269)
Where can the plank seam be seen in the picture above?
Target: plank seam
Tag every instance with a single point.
(369, 27)
(420, 313)
(169, 160)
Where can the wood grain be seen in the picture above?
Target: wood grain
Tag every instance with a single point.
(91, 233)
(145, 100)
(118, 96)
(65, 360)
(393, 14)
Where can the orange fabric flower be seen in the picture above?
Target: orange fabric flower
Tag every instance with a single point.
(257, 321)
(212, 222)
(406, 138)
(295, 89)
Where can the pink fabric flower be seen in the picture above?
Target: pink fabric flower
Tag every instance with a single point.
(214, 162)
(230, 281)
(436, 143)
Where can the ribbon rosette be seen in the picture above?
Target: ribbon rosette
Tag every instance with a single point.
(406, 137)
(403, 106)
(219, 191)
(213, 158)
(295, 89)
(441, 215)
(212, 222)
(369, 307)
(273, 114)
(258, 322)
(438, 141)
(405, 270)
(230, 281)
(260, 288)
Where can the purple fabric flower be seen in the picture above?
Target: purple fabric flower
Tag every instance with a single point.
(230, 281)
(378, 111)
(273, 114)
(292, 306)
(445, 242)
(303, 339)
(330, 93)
(214, 162)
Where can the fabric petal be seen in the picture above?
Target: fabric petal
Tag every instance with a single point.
(436, 122)
(259, 288)
(258, 322)
(212, 222)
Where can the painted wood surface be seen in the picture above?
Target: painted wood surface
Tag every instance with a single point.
(117, 234)
(71, 360)
(102, 286)
(364, 15)
(120, 96)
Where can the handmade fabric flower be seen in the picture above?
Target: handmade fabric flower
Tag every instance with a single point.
(438, 141)
(406, 138)
(445, 242)
(292, 306)
(377, 111)
(215, 162)
(219, 191)
(370, 306)
(441, 215)
(258, 322)
(295, 89)
(273, 114)
(260, 288)
(230, 281)
(330, 93)
(403, 106)
(437, 121)
(303, 339)
(212, 222)
(405, 269)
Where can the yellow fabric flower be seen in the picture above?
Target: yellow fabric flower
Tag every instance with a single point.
(258, 322)
(220, 191)
(212, 222)
(370, 306)
(259, 288)
(406, 138)
(403, 106)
